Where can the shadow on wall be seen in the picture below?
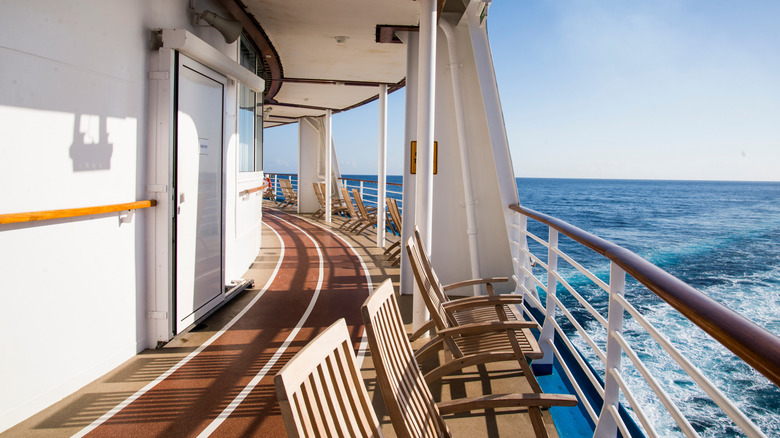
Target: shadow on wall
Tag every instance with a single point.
(91, 148)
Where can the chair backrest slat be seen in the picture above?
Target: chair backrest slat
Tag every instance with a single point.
(321, 391)
(348, 202)
(395, 213)
(318, 193)
(429, 285)
(359, 202)
(409, 402)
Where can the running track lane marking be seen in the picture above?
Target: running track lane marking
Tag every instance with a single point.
(182, 362)
(363, 347)
(280, 351)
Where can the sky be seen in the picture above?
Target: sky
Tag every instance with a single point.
(662, 89)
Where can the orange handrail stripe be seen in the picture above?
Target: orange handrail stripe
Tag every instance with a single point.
(755, 345)
(253, 190)
(73, 212)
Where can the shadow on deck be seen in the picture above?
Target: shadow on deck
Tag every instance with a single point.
(193, 398)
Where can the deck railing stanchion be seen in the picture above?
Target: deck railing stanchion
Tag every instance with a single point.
(328, 164)
(607, 423)
(382, 166)
(544, 365)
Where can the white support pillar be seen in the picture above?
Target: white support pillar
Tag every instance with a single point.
(381, 168)
(460, 125)
(425, 117)
(328, 165)
(411, 40)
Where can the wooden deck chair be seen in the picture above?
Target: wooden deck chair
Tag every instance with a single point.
(336, 204)
(368, 217)
(393, 252)
(354, 219)
(290, 197)
(321, 391)
(408, 399)
(459, 312)
(476, 311)
(320, 198)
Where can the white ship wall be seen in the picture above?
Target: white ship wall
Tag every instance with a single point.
(73, 133)
(488, 163)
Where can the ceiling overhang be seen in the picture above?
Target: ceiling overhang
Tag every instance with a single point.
(322, 55)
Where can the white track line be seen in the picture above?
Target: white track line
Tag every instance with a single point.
(181, 363)
(363, 347)
(278, 354)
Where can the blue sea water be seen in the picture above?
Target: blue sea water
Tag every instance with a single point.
(719, 237)
(722, 238)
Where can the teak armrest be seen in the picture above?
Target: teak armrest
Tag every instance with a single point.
(475, 281)
(506, 401)
(430, 324)
(481, 301)
(487, 327)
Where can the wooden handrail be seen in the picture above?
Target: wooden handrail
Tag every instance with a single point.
(73, 212)
(370, 181)
(755, 345)
(252, 190)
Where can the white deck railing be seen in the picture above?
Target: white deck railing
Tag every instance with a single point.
(600, 337)
(369, 191)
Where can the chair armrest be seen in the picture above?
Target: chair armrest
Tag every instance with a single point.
(475, 281)
(481, 301)
(487, 327)
(430, 324)
(505, 401)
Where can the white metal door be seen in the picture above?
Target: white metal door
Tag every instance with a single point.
(198, 175)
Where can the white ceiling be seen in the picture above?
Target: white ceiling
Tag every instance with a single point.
(304, 32)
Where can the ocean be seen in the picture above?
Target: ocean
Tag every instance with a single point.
(722, 238)
(719, 237)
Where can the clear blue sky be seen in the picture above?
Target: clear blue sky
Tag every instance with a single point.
(612, 89)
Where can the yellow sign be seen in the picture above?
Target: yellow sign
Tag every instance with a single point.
(413, 167)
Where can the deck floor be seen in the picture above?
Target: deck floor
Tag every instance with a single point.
(216, 379)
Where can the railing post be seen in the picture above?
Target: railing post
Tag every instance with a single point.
(381, 186)
(607, 425)
(276, 186)
(544, 365)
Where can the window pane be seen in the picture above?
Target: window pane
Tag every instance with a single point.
(250, 123)
(246, 129)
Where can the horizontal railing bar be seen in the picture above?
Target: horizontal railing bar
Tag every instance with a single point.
(613, 410)
(701, 380)
(756, 346)
(581, 300)
(586, 272)
(536, 259)
(370, 181)
(663, 396)
(529, 295)
(577, 388)
(578, 357)
(579, 328)
(636, 407)
(536, 280)
(13, 218)
(536, 238)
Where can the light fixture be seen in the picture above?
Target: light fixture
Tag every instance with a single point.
(229, 29)
(341, 39)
